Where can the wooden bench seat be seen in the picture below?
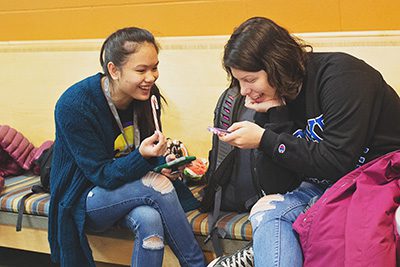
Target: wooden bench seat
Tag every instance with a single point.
(113, 246)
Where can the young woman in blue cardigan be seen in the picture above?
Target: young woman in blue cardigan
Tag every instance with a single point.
(106, 147)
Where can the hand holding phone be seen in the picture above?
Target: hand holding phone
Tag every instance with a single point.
(218, 131)
(173, 165)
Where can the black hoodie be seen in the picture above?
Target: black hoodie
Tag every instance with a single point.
(344, 116)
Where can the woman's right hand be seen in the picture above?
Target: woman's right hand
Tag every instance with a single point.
(153, 146)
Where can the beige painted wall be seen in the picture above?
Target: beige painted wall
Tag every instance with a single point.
(34, 74)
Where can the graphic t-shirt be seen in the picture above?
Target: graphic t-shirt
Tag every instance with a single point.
(126, 116)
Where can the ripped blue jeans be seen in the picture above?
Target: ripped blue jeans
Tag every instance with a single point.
(275, 243)
(150, 208)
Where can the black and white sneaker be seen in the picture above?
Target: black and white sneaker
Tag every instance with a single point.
(241, 258)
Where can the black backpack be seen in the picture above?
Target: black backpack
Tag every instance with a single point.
(224, 159)
(223, 162)
(44, 164)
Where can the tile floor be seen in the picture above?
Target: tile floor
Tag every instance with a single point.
(21, 258)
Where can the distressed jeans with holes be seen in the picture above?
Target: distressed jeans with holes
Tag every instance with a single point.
(150, 208)
(275, 243)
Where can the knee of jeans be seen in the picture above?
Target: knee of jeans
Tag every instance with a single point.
(142, 219)
(153, 242)
(158, 182)
(262, 207)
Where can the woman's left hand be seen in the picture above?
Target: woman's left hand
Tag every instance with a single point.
(244, 135)
(169, 173)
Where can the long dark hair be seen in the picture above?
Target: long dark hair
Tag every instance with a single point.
(260, 44)
(116, 49)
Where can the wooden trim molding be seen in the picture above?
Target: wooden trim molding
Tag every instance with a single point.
(322, 39)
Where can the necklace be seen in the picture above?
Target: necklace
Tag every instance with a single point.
(114, 111)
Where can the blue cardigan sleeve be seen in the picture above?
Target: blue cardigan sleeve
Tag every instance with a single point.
(80, 134)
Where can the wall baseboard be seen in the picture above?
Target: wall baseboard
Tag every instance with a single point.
(321, 39)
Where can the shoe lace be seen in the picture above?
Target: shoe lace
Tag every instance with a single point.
(243, 258)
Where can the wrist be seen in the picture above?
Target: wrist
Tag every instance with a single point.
(260, 136)
(143, 154)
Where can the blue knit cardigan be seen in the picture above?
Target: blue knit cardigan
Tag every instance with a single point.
(83, 158)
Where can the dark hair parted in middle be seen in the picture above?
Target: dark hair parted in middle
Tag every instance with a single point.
(260, 44)
(116, 49)
(119, 45)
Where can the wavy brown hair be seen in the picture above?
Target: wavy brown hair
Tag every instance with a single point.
(261, 44)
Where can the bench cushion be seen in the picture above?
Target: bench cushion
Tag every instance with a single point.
(235, 225)
(18, 186)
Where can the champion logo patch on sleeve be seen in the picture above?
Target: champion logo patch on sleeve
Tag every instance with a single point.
(281, 148)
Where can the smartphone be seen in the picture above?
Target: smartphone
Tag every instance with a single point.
(173, 165)
(216, 130)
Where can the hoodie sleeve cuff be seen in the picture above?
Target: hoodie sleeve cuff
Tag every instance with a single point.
(273, 115)
(268, 142)
(278, 114)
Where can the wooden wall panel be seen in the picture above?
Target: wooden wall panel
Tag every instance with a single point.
(163, 19)
(34, 75)
(370, 14)
(75, 19)
(301, 15)
(70, 4)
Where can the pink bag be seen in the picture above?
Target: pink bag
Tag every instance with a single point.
(17, 154)
(17, 146)
(1, 183)
(352, 224)
(8, 166)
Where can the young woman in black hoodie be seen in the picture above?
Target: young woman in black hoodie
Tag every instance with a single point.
(319, 115)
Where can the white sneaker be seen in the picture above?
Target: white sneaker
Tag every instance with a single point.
(241, 258)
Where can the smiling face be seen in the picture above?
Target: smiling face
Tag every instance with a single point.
(135, 78)
(254, 85)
